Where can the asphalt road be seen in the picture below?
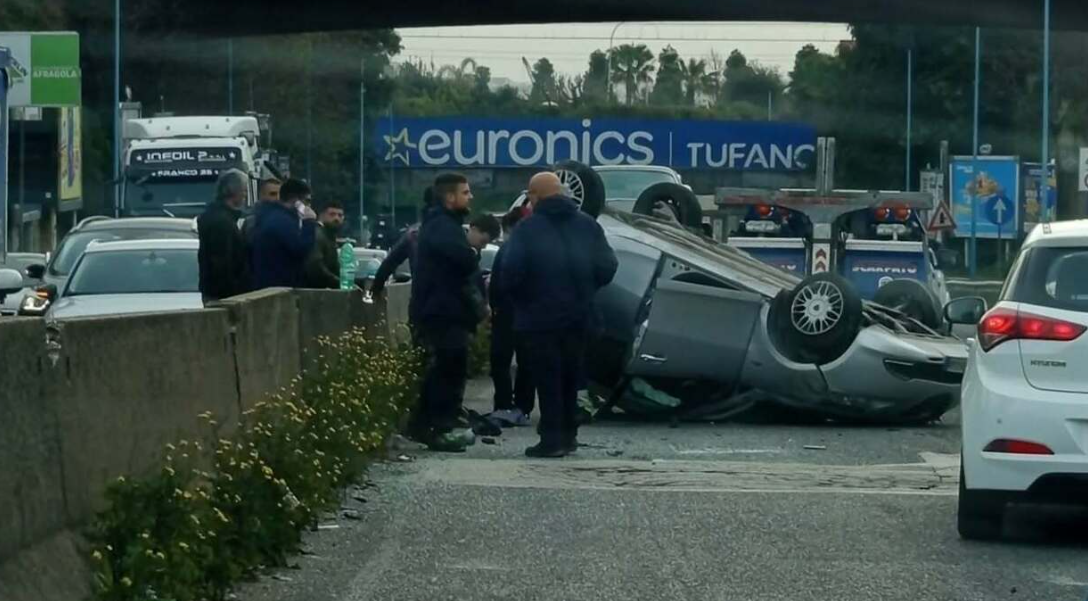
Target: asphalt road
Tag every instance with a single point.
(645, 511)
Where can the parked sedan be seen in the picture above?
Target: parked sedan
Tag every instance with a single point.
(96, 229)
(684, 309)
(134, 276)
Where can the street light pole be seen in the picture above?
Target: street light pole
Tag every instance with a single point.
(974, 157)
(362, 149)
(1044, 187)
(117, 108)
(910, 109)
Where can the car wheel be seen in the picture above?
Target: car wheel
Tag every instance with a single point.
(681, 200)
(980, 513)
(585, 185)
(913, 299)
(822, 318)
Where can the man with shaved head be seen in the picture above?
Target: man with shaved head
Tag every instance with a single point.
(557, 259)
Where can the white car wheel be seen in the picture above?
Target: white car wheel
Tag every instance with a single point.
(817, 308)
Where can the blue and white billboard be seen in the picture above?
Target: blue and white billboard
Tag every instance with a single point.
(997, 185)
(684, 144)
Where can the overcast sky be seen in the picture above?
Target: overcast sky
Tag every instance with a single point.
(568, 46)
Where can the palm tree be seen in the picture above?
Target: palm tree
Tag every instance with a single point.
(696, 78)
(632, 66)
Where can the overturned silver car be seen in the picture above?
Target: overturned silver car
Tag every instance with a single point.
(685, 311)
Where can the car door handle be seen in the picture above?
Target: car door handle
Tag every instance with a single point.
(652, 358)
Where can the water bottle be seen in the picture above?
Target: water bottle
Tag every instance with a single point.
(347, 266)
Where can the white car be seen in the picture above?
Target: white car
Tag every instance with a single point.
(133, 276)
(1025, 391)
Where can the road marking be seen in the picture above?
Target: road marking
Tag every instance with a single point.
(725, 451)
(694, 476)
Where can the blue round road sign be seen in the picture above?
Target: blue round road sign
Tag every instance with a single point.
(1000, 210)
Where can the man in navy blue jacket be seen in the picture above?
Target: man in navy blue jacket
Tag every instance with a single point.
(555, 263)
(282, 238)
(444, 276)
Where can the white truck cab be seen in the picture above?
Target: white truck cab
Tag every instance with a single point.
(171, 164)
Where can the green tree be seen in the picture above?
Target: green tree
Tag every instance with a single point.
(596, 85)
(633, 67)
(669, 85)
(545, 85)
(696, 79)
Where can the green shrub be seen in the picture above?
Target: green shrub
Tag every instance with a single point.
(186, 533)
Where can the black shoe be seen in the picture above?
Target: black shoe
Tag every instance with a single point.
(540, 450)
(571, 444)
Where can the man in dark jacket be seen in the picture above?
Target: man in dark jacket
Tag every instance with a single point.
(222, 254)
(554, 264)
(283, 236)
(514, 400)
(323, 265)
(444, 271)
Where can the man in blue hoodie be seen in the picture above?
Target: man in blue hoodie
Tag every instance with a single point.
(556, 261)
(445, 269)
(282, 238)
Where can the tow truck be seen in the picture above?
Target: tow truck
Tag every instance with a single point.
(874, 239)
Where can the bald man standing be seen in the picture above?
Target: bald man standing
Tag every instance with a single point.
(557, 260)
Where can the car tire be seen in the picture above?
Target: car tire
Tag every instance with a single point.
(913, 299)
(980, 513)
(818, 320)
(585, 185)
(681, 200)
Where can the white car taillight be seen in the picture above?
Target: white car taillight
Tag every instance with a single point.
(1001, 325)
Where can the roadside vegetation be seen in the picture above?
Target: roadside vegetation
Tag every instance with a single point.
(236, 501)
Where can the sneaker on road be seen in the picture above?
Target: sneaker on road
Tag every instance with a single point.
(510, 418)
(453, 441)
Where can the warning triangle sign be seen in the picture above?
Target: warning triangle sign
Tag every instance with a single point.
(942, 219)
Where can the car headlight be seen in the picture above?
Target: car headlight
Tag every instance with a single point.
(33, 305)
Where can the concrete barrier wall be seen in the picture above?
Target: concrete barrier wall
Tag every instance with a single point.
(266, 342)
(104, 397)
(127, 386)
(31, 478)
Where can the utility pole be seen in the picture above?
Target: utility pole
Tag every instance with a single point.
(974, 157)
(362, 149)
(910, 110)
(5, 118)
(1044, 186)
(117, 108)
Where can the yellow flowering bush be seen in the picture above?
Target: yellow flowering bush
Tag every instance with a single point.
(189, 533)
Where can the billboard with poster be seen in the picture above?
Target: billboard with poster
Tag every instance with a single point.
(70, 152)
(997, 184)
(1034, 211)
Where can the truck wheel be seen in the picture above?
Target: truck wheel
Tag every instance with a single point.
(819, 319)
(682, 201)
(913, 299)
(585, 185)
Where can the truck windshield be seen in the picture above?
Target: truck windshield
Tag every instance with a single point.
(177, 197)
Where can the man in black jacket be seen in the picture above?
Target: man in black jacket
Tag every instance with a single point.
(323, 265)
(444, 271)
(554, 264)
(222, 254)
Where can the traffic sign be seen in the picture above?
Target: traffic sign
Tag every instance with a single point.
(822, 258)
(999, 210)
(942, 219)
